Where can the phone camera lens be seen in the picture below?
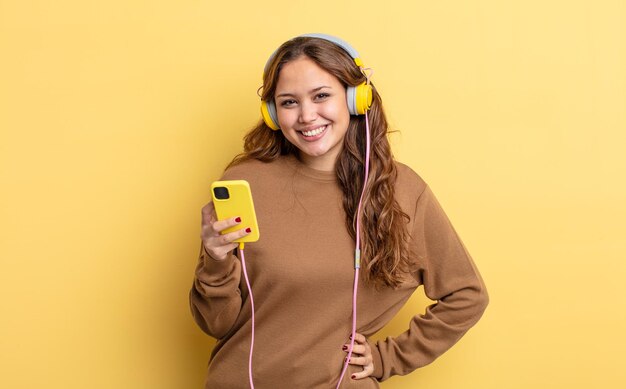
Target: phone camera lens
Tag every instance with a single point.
(221, 193)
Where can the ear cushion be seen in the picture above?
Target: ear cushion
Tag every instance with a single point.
(351, 97)
(270, 117)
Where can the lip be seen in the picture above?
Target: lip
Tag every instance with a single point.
(311, 128)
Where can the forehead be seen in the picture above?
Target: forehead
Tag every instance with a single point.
(304, 74)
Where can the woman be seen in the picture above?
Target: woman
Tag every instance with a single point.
(307, 177)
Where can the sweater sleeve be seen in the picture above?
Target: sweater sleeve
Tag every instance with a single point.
(215, 297)
(450, 278)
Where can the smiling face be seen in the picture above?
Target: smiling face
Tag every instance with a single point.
(312, 112)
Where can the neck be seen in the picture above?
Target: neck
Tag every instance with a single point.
(326, 163)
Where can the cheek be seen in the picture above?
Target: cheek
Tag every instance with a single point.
(285, 117)
(338, 112)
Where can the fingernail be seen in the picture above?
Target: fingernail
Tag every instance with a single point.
(345, 348)
(248, 230)
(353, 376)
(238, 220)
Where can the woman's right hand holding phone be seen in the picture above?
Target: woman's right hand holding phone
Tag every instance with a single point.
(217, 245)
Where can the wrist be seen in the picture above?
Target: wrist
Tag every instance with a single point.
(207, 256)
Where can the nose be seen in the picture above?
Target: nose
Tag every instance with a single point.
(308, 112)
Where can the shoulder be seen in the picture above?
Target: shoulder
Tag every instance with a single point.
(256, 171)
(242, 169)
(409, 186)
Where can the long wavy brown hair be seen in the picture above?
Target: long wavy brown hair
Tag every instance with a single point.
(384, 233)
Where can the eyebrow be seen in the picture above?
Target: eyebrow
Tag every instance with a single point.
(310, 92)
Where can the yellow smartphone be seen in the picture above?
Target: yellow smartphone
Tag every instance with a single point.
(234, 198)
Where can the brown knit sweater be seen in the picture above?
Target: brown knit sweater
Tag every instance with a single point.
(301, 271)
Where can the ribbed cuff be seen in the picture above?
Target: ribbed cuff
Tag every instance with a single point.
(377, 360)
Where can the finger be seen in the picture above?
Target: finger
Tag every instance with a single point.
(226, 239)
(360, 338)
(221, 225)
(367, 371)
(214, 228)
(357, 349)
(360, 361)
(208, 213)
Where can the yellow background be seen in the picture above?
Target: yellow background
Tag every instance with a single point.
(116, 116)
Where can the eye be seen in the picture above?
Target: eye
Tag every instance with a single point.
(322, 96)
(287, 103)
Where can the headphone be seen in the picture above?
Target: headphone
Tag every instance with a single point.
(359, 97)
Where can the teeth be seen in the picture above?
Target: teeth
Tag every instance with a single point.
(314, 132)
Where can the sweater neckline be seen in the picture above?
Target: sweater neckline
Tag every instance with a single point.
(301, 168)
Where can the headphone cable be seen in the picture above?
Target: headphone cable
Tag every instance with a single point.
(357, 251)
(245, 275)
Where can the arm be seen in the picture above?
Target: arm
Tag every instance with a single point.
(450, 278)
(215, 297)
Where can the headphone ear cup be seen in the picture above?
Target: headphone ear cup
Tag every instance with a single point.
(363, 98)
(270, 117)
(359, 98)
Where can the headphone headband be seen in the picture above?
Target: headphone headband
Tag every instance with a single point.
(333, 39)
